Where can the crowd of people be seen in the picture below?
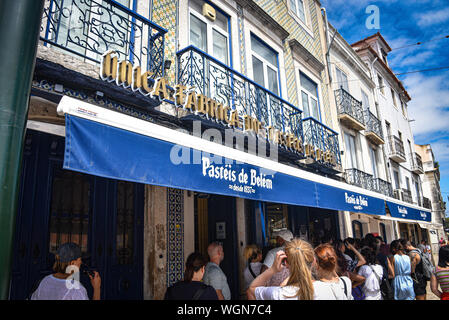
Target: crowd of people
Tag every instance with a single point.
(349, 269)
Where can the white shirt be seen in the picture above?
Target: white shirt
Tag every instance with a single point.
(271, 256)
(255, 266)
(333, 290)
(371, 286)
(52, 288)
(276, 293)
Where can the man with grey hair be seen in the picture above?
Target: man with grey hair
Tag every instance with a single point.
(213, 275)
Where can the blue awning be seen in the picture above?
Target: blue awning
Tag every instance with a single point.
(104, 150)
(402, 211)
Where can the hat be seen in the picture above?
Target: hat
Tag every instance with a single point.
(285, 234)
(69, 251)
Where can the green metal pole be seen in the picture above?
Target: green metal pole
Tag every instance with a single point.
(20, 22)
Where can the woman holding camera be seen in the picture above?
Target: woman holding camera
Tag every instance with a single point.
(63, 285)
(298, 257)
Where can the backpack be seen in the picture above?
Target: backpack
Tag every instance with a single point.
(427, 266)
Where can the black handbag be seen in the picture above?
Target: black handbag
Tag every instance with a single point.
(385, 288)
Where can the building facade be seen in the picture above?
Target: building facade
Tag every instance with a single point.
(432, 196)
(157, 127)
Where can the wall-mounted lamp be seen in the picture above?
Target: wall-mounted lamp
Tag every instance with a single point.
(167, 64)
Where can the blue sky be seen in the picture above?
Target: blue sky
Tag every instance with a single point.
(405, 22)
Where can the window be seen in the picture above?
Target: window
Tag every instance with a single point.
(387, 125)
(209, 36)
(88, 25)
(309, 97)
(403, 109)
(381, 84)
(397, 183)
(365, 101)
(373, 157)
(351, 151)
(357, 230)
(418, 193)
(297, 6)
(407, 183)
(265, 61)
(342, 79)
(393, 96)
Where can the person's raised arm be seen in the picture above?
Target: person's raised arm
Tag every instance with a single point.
(219, 294)
(360, 258)
(390, 264)
(264, 277)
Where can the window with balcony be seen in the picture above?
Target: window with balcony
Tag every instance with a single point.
(365, 101)
(297, 7)
(397, 183)
(373, 158)
(265, 65)
(342, 79)
(351, 151)
(209, 36)
(309, 97)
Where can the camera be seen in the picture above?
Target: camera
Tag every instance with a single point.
(85, 269)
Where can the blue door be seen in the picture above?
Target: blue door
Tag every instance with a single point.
(104, 216)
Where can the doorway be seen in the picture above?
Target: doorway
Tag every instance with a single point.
(215, 220)
(103, 216)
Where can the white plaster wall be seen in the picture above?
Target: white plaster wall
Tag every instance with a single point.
(356, 83)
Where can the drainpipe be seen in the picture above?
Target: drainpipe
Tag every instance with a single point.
(20, 22)
(328, 43)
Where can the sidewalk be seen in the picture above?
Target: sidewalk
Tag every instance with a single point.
(430, 295)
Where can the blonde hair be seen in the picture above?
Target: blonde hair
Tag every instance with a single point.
(251, 252)
(300, 256)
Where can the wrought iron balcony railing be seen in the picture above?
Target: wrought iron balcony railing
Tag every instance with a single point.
(416, 163)
(407, 196)
(89, 28)
(373, 128)
(396, 149)
(383, 187)
(216, 80)
(359, 178)
(322, 137)
(426, 203)
(349, 109)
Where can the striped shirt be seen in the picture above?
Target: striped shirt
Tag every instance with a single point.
(442, 276)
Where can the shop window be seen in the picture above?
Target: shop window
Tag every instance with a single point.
(309, 97)
(357, 230)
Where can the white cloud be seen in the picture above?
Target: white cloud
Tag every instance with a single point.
(429, 106)
(432, 17)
